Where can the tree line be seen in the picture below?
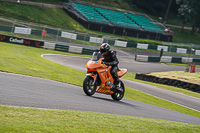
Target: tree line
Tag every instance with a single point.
(188, 11)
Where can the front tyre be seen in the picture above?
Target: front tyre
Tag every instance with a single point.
(118, 95)
(88, 86)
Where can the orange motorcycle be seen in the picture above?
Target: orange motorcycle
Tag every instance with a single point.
(99, 79)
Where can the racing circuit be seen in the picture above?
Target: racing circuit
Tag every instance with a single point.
(25, 91)
(33, 92)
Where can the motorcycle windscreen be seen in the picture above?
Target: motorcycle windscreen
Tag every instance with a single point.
(96, 56)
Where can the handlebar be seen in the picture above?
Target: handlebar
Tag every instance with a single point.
(103, 65)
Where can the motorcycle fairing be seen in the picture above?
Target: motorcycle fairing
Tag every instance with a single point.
(106, 81)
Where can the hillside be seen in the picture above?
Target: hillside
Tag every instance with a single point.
(58, 18)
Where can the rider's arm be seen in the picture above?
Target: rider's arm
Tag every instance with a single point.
(114, 62)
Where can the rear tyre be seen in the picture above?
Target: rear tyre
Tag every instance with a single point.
(88, 88)
(118, 95)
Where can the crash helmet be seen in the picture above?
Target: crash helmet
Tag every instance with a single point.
(105, 48)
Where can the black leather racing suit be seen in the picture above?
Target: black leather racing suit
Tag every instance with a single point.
(111, 60)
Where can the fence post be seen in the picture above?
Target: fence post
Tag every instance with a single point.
(28, 30)
(57, 36)
(137, 35)
(13, 26)
(84, 38)
(114, 31)
(161, 53)
(101, 29)
(170, 49)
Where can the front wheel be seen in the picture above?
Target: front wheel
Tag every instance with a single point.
(118, 95)
(88, 86)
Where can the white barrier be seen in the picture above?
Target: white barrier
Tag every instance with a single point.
(68, 35)
(165, 48)
(181, 50)
(120, 43)
(142, 46)
(143, 58)
(22, 30)
(75, 49)
(49, 45)
(197, 52)
(187, 60)
(96, 40)
(166, 59)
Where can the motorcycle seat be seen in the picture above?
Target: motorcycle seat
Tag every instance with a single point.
(121, 72)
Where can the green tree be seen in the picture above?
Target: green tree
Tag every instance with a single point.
(189, 11)
(184, 12)
(155, 7)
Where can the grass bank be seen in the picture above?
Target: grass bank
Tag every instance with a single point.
(36, 14)
(28, 61)
(58, 18)
(16, 119)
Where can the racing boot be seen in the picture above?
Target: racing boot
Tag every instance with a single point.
(116, 86)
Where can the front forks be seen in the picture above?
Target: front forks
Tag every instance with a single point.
(94, 76)
(95, 80)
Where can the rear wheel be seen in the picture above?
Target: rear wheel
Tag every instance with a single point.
(88, 86)
(118, 95)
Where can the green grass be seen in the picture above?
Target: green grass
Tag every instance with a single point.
(145, 98)
(16, 119)
(180, 64)
(44, 15)
(185, 36)
(28, 61)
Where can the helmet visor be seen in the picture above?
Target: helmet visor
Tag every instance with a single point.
(103, 51)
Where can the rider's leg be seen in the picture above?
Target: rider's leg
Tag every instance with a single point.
(114, 74)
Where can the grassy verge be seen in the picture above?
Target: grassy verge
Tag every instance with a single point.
(145, 98)
(16, 119)
(28, 61)
(180, 64)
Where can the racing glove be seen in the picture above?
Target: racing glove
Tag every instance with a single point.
(106, 63)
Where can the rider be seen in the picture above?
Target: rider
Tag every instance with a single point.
(110, 59)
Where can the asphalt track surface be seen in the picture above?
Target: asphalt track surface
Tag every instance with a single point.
(132, 66)
(125, 62)
(25, 91)
(122, 52)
